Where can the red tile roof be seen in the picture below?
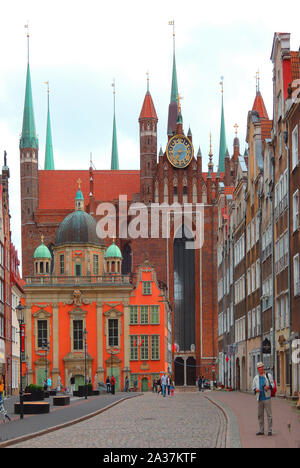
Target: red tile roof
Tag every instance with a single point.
(57, 189)
(260, 107)
(148, 109)
(266, 127)
(295, 62)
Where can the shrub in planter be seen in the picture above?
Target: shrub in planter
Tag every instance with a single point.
(36, 392)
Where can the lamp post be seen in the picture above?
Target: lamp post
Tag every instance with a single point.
(85, 353)
(46, 348)
(21, 319)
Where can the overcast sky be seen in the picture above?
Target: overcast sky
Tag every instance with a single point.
(80, 47)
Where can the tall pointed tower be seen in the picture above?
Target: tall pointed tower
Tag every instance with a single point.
(29, 146)
(114, 150)
(49, 159)
(222, 147)
(173, 106)
(148, 147)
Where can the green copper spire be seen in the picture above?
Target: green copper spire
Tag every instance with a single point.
(49, 160)
(223, 146)
(28, 138)
(114, 151)
(174, 89)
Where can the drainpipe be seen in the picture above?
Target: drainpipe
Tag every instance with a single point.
(271, 197)
(286, 137)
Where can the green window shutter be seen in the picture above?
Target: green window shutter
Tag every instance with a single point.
(134, 315)
(154, 315)
(134, 355)
(144, 310)
(144, 348)
(147, 290)
(155, 351)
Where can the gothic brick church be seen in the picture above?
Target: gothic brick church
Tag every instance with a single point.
(172, 175)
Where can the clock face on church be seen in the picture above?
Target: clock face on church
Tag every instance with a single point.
(180, 151)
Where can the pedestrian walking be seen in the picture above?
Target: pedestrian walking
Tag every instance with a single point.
(159, 387)
(172, 388)
(168, 384)
(126, 384)
(199, 381)
(154, 387)
(164, 384)
(49, 383)
(112, 384)
(3, 411)
(263, 384)
(107, 384)
(135, 384)
(45, 385)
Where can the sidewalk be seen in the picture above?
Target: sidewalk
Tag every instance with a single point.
(244, 406)
(78, 408)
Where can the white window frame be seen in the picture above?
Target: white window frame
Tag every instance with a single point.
(295, 147)
(295, 210)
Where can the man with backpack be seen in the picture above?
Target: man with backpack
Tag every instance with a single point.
(264, 387)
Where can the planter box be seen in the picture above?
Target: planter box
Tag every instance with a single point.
(82, 390)
(53, 392)
(34, 396)
(33, 407)
(96, 392)
(61, 401)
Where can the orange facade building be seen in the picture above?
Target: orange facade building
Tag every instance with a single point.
(84, 319)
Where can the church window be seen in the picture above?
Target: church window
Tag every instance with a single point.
(96, 264)
(147, 288)
(61, 264)
(42, 332)
(78, 334)
(144, 311)
(113, 332)
(155, 347)
(154, 315)
(134, 354)
(194, 193)
(144, 347)
(78, 269)
(47, 267)
(134, 315)
(41, 267)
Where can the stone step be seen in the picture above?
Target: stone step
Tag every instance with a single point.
(186, 389)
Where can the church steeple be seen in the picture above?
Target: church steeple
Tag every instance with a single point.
(49, 159)
(114, 151)
(28, 137)
(223, 146)
(173, 106)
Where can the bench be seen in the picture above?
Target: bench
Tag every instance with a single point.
(33, 407)
(61, 400)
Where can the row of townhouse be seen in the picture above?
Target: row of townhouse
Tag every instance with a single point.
(259, 240)
(11, 289)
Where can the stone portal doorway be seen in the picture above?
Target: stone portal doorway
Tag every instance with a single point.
(191, 371)
(179, 371)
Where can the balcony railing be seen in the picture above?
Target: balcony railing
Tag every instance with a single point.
(109, 279)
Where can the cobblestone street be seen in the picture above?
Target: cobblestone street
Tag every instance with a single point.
(185, 420)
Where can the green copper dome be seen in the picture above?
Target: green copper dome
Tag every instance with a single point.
(42, 252)
(78, 227)
(79, 195)
(113, 251)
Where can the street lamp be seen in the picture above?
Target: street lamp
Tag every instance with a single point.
(46, 348)
(21, 319)
(85, 353)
